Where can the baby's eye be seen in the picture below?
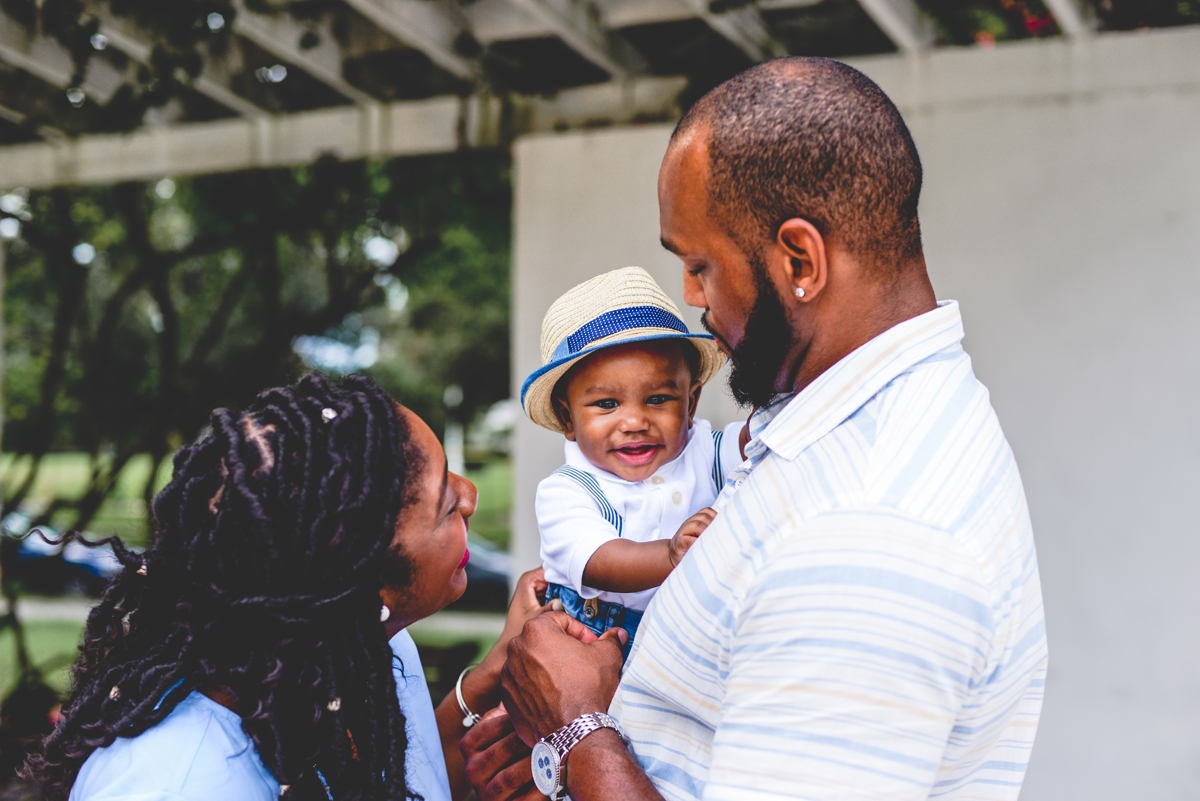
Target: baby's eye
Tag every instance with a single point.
(659, 400)
(607, 403)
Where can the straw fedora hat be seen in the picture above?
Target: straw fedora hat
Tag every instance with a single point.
(615, 308)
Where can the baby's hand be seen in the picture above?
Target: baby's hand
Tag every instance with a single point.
(692, 528)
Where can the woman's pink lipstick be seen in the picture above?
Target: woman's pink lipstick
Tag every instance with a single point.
(466, 557)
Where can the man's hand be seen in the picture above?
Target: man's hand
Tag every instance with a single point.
(692, 528)
(556, 672)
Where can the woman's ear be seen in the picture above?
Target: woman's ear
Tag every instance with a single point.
(563, 412)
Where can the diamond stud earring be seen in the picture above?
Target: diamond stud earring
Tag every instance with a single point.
(799, 292)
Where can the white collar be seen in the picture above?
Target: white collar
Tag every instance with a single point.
(793, 422)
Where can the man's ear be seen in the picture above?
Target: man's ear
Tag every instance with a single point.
(563, 412)
(800, 256)
(693, 400)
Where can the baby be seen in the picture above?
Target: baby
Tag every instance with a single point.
(621, 377)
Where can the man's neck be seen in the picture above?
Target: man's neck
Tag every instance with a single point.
(860, 315)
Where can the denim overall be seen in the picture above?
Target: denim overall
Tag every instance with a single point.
(597, 615)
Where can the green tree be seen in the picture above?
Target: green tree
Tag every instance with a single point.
(131, 311)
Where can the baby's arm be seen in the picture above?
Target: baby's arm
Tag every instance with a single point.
(626, 566)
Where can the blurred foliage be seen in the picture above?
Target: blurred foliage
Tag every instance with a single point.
(181, 29)
(52, 645)
(989, 21)
(132, 311)
(1125, 15)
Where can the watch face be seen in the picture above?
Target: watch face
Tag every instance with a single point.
(545, 767)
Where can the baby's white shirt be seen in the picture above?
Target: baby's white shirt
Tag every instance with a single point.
(573, 526)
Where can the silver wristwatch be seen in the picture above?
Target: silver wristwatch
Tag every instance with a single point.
(550, 752)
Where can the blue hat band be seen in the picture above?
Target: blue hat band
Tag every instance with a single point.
(614, 322)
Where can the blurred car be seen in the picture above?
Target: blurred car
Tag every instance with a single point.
(50, 568)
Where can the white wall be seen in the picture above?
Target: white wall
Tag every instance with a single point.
(1062, 209)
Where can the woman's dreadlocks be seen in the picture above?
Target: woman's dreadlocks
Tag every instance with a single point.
(272, 542)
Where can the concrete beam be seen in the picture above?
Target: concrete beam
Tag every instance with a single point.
(430, 27)
(497, 20)
(579, 25)
(743, 27)
(280, 34)
(1074, 17)
(45, 58)
(398, 129)
(213, 82)
(903, 21)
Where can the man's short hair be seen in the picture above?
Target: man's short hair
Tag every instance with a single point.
(816, 139)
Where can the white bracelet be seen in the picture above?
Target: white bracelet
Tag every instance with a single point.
(469, 717)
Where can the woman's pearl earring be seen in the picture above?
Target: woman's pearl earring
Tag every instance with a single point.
(799, 292)
(384, 613)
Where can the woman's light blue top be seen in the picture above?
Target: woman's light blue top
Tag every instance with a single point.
(199, 751)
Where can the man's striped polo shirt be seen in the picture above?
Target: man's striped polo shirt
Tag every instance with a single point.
(863, 620)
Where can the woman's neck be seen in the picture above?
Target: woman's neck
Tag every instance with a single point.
(223, 696)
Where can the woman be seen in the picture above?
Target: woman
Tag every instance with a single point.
(254, 652)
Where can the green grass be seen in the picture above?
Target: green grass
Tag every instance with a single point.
(65, 475)
(52, 645)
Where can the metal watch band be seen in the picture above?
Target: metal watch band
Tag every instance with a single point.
(551, 751)
(566, 738)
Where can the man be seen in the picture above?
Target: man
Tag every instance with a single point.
(863, 619)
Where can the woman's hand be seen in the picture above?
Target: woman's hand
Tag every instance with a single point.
(497, 762)
(482, 685)
(523, 607)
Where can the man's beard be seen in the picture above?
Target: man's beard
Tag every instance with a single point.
(758, 359)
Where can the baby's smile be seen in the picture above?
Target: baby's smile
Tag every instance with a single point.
(637, 454)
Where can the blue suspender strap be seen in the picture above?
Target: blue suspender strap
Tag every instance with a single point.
(589, 483)
(718, 475)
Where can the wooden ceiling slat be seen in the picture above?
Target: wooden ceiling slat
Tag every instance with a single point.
(430, 27)
(214, 79)
(280, 35)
